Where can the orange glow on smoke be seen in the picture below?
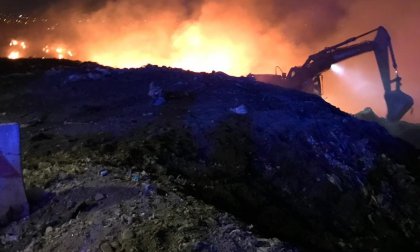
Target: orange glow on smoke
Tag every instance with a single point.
(216, 41)
(193, 48)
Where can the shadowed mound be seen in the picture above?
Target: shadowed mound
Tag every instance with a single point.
(409, 132)
(293, 166)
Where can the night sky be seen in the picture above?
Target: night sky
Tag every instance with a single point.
(17, 6)
(40, 6)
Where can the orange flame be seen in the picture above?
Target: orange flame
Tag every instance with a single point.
(216, 41)
(14, 55)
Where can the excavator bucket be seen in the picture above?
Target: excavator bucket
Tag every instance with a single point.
(398, 103)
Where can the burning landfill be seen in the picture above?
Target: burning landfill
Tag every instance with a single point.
(18, 48)
(208, 35)
(170, 126)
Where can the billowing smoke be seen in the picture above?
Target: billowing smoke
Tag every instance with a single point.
(237, 37)
(230, 36)
(240, 37)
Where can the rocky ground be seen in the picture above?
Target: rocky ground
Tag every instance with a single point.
(409, 132)
(160, 159)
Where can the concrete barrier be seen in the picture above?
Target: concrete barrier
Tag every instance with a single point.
(13, 202)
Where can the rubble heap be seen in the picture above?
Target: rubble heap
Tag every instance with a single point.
(291, 172)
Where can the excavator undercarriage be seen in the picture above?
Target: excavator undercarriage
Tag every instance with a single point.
(307, 78)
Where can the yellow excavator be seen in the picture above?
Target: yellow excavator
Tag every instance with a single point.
(307, 79)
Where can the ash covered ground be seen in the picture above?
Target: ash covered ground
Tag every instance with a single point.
(220, 164)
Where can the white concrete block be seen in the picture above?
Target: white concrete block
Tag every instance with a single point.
(13, 201)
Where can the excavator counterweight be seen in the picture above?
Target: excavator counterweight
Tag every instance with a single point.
(306, 78)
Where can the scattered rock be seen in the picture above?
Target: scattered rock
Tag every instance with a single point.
(64, 176)
(159, 101)
(70, 204)
(44, 165)
(136, 177)
(115, 244)
(99, 196)
(48, 230)
(11, 238)
(14, 229)
(190, 247)
(73, 78)
(30, 247)
(106, 247)
(155, 91)
(130, 220)
(104, 173)
(241, 110)
(127, 234)
(72, 169)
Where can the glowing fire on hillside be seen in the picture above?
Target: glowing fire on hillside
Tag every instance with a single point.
(215, 41)
(18, 50)
(14, 55)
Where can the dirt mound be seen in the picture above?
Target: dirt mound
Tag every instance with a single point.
(286, 163)
(409, 132)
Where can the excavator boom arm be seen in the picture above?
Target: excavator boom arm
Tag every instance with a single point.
(398, 103)
(306, 78)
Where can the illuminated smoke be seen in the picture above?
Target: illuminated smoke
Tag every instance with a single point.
(222, 37)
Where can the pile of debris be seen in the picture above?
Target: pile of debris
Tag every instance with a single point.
(223, 164)
(409, 132)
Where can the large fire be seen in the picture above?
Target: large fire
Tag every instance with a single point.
(215, 41)
(15, 46)
(233, 41)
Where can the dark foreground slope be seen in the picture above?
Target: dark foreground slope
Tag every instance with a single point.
(409, 132)
(293, 166)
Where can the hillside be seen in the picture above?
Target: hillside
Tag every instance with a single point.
(161, 159)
